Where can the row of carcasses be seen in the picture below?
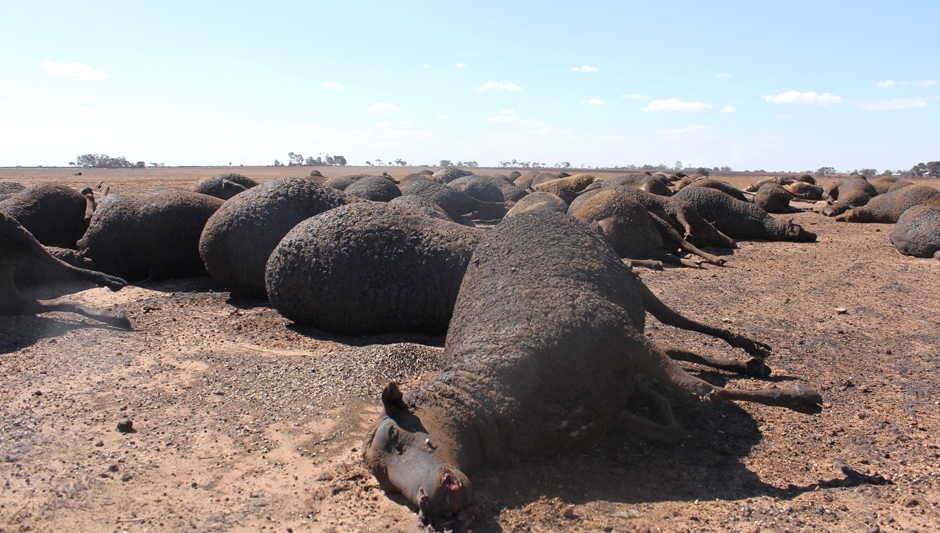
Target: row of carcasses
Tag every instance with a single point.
(355, 261)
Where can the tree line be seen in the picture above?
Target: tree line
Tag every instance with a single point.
(297, 160)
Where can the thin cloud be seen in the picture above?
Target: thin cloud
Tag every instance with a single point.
(506, 115)
(443, 117)
(635, 96)
(493, 86)
(585, 68)
(593, 101)
(384, 108)
(689, 132)
(796, 97)
(895, 104)
(425, 66)
(728, 109)
(83, 113)
(722, 75)
(460, 65)
(75, 71)
(332, 85)
(922, 83)
(676, 105)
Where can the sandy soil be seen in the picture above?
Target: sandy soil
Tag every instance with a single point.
(244, 422)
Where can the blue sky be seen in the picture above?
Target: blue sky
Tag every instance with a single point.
(784, 86)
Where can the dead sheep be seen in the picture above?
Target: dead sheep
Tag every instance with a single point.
(773, 198)
(888, 207)
(239, 237)
(537, 201)
(481, 188)
(805, 190)
(645, 182)
(631, 230)
(374, 188)
(844, 195)
(453, 202)
(153, 235)
(742, 220)
(54, 214)
(917, 232)
(726, 188)
(370, 268)
(449, 174)
(536, 368)
(9, 188)
(566, 188)
(224, 186)
(19, 247)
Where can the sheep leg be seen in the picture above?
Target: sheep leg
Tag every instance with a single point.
(645, 263)
(655, 363)
(34, 307)
(669, 233)
(664, 314)
(673, 260)
(670, 432)
(753, 368)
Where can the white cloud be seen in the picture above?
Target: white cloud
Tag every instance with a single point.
(83, 113)
(796, 97)
(674, 104)
(382, 125)
(442, 117)
(460, 65)
(506, 115)
(76, 71)
(887, 83)
(532, 122)
(690, 132)
(925, 83)
(895, 104)
(728, 109)
(384, 108)
(585, 68)
(425, 66)
(593, 101)
(491, 86)
(332, 85)
(722, 75)
(635, 96)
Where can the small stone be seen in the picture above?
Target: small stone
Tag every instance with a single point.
(324, 476)
(910, 502)
(874, 529)
(126, 477)
(37, 393)
(99, 444)
(569, 513)
(820, 509)
(113, 468)
(126, 426)
(608, 529)
(194, 485)
(841, 310)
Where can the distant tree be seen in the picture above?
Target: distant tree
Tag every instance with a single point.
(296, 160)
(825, 171)
(369, 163)
(933, 169)
(868, 172)
(726, 169)
(278, 163)
(887, 172)
(378, 161)
(141, 164)
(563, 164)
(71, 163)
(504, 164)
(445, 163)
(703, 171)
(471, 164)
(339, 160)
(677, 166)
(156, 164)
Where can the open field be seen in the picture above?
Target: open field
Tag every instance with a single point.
(245, 422)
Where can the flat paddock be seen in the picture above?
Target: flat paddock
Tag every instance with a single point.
(244, 421)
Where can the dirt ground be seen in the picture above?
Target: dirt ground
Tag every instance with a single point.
(245, 422)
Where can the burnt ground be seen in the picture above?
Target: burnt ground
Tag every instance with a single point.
(244, 422)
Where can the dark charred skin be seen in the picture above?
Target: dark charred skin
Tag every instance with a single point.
(17, 245)
(546, 337)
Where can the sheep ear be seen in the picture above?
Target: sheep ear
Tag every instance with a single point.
(393, 401)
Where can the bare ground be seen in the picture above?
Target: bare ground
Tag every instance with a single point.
(244, 422)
